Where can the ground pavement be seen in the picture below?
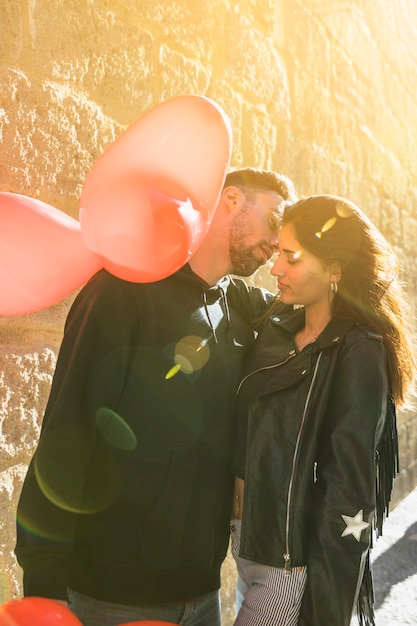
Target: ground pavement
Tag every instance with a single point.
(394, 558)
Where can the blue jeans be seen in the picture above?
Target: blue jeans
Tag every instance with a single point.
(241, 589)
(201, 611)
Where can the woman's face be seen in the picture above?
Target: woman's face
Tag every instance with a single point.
(302, 277)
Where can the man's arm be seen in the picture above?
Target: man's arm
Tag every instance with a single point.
(58, 487)
(254, 303)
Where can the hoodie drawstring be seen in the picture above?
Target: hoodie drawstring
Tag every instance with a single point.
(213, 330)
(224, 304)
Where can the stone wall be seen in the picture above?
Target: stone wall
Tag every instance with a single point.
(322, 90)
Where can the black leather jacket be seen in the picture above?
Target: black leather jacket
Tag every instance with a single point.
(315, 418)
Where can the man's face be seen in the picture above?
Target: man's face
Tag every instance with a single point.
(254, 233)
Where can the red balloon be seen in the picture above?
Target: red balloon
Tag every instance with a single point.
(145, 207)
(33, 611)
(43, 256)
(149, 200)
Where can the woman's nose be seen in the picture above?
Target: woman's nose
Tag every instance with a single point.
(275, 269)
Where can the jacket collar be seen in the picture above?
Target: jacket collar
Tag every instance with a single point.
(293, 322)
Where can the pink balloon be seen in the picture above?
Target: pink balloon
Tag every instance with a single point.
(43, 256)
(145, 207)
(33, 611)
(149, 200)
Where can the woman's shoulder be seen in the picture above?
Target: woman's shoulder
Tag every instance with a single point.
(358, 331)
(364, 347)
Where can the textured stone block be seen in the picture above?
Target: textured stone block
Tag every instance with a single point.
(321, 90)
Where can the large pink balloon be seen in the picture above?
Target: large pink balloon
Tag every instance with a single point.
(33, 611)
(145, 207)
(148, 201)
(43, 256)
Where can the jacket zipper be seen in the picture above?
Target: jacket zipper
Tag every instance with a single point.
(264, 369)
(286, 555)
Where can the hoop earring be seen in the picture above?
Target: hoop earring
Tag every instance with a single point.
(333, 287)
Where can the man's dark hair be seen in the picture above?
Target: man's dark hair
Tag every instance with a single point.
(252, 181)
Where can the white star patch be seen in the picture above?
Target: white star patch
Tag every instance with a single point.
(354, 525)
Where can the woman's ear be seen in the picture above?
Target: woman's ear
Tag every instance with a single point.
(335, 272)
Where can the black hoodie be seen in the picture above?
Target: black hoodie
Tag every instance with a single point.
(128, 496)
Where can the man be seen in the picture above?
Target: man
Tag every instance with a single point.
(125, 508)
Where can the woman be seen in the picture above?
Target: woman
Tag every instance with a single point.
(317, 448)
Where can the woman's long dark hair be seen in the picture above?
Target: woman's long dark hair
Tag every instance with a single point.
(335, 230)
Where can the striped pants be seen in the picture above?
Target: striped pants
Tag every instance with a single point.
(271, 598)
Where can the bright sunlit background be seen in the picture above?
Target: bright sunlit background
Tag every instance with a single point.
(322, 90)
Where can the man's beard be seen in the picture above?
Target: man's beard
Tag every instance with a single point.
(243, 257)
(243, 261)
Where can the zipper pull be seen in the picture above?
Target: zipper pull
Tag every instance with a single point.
(287, 565)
